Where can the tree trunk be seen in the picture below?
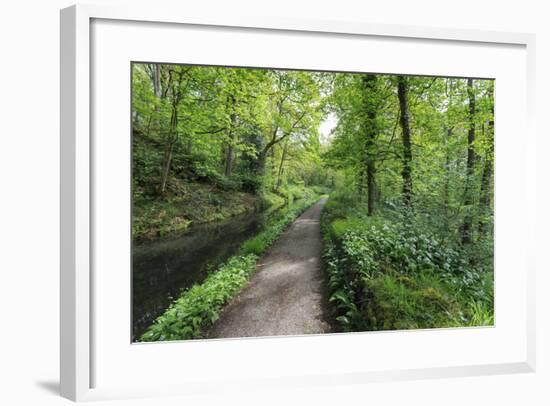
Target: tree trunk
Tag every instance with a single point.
(156, 80)
(166, 166)
(230, 150)
(229, 157)
(283, 157)
(371, 185)
(448, 134)
(262, 158)
(273, 163)
(467, 227)
(406, 173)
(170, 142)
(485, 196)
(485, 192)
(371, 106)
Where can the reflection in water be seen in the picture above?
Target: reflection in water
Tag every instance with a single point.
(162, 268)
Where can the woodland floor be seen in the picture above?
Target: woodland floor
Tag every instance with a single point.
(286, 295)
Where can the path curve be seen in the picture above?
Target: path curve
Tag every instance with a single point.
(286, 294)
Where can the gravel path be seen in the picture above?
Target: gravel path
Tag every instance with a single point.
(286, 295)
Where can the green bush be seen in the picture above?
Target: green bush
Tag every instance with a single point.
(320, 190)
(384, 276)
(200, 306)
(269, 199)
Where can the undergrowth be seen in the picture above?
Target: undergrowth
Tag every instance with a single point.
(186, 204)
(384, 275)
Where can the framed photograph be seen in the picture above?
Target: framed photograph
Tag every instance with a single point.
(281, 202)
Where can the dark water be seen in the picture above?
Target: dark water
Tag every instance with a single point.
(162, 268)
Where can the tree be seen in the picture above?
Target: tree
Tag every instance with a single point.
(292, 110)
(485, 189)
(406, 173)
(230, 149)
(175, 91)
(371, 107)
(470, 163)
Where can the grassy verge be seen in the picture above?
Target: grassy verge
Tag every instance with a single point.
(191, 203)
(195, 202)
(288, 194)
(386, 276)
(201, 305)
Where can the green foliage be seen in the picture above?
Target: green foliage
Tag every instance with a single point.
(200, 306)
(439, 124)
(213, 142)
(384, 275)
(270, 199)
(258, 244)
(482, 314)
(155, 219)
(192, 203)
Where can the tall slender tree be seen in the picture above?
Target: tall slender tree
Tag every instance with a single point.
(371, 107)
(406, 173)
(467, 226)
(231, 130)
(176, 91)
(485, 190)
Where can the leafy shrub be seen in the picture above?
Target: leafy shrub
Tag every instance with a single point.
(386, 276)
(320, 190)
(250, 182)
(269, 199)
(200, 306)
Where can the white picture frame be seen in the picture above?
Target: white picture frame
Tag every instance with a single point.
(77, 219)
